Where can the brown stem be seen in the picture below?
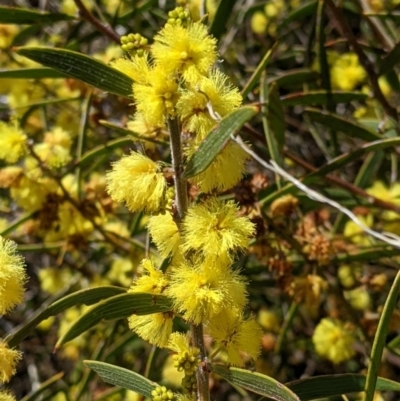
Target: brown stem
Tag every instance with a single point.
(181, 204)
(364, 61)
(86, 14)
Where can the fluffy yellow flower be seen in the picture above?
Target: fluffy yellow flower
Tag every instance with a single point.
(156, 98)
(238, 338)
(210, 94)
(333, 340)
(164, 233)
(224, 172)
(189, 51)
(202, 290)
(155, 328)
(215, 228)
(12, 142)
(12, 276)
(136, 67)
(6, 396)
(136, 180)
(259, 22)
(8, 361)
(347, 73)
(154, 281)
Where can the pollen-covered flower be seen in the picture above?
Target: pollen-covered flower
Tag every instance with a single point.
(347, 72)
(12, 142)
(215, 228)
(210, 98)
(12, 276)
(190, 51)
(225, 171)
(8, 361)
(6, 396)
(154, 328)
(203, 289)
(137, 67)
(135, 179)
(164, 233)
(238, 338)
(334, 340)
(154, 281)
(157, 97)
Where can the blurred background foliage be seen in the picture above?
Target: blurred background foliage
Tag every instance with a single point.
(330, 89)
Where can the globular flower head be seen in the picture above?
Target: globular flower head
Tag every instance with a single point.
(6, 396)
(225, 171)
(202, 289)
(189, 50)
(157, 97)
(333, 340)
(8, 362)
(214, 228)
(161, 393)
(153, 281)
(136, 180)
(237, 337)
(12, 142)
(164, 233)
(209, 98)
(137, 67)
(154, 328)
(12, 276)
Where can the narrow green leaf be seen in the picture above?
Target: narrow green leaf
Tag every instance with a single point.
(390, 61)
(218, 138)
(394, 15)
(349, 128)
(31, 73)
(368, 254)
(380, 339)
(320, 97)
(77, 65)
(218, 25)
(12, 15)
(330, 385)
(117, 307)
(276, 120)
(256, 382)
(291, 78)
(87, 296)
(257, 73)
(34, 395)
(122, 377)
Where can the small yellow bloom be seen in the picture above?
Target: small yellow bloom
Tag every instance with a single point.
(347, 73)
(259, 22)
(12, 142)
(12, 276)
(164, 233)
(154, 328)
(224, 172)
(136, 67)
(6, 396)
(333, 340)
(214, 228)
(211, 97)
(154, 281)
(202, 290)
(189, 51)
(157, 97)
(238, 338)
(8, 362)
(136, 180)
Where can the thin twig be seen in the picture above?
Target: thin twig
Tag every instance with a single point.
(86, 14)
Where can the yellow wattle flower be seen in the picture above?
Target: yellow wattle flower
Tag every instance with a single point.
(12, 276)
(8, 361)
(136, 181)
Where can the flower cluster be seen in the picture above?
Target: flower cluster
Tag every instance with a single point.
(175, 82)
(12, 280)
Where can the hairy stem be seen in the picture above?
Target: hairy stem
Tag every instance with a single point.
(181, 204)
